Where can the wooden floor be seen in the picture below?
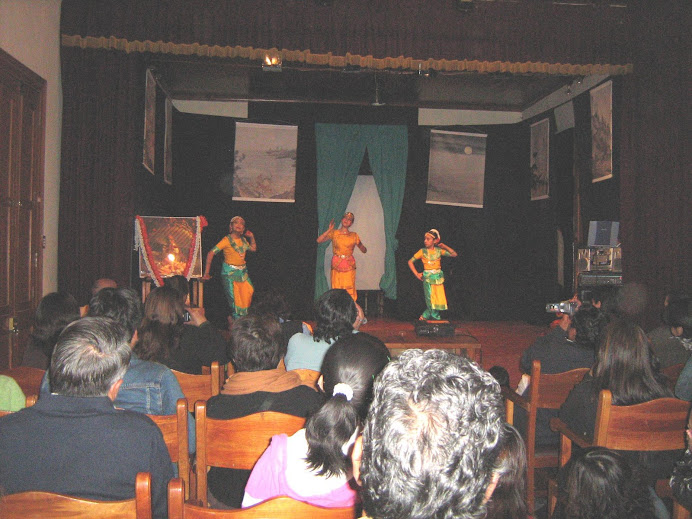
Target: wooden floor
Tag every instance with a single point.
(501, 342)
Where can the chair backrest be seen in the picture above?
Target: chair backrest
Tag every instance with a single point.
(29, 379)
(199, 387)
(278, 507)
(174, 430)
(549, 391)
(46, 505)
(308, 376)
(657, 425)
(236, 443)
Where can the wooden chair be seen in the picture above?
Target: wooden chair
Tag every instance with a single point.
(224, 372)
(279, 507)
(30, 400)
(547, 391)
(199, 387)
(174, 430)
(308, 376)
(29, 379)
(46, 505)
(672, 374)
(236, 443)
(657, 425)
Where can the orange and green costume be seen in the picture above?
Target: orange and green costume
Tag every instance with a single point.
(234, 277)
(433, 281)
(343, 262)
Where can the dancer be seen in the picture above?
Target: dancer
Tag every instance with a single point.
(343, 262)
(234, 276)
(432, 276)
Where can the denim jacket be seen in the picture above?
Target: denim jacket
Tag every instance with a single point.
(150, 388)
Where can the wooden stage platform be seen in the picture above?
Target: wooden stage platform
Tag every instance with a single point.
(488, 343)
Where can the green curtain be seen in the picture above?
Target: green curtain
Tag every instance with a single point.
(340, 150)
(388, 153)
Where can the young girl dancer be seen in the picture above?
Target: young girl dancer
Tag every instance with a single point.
(432, 276)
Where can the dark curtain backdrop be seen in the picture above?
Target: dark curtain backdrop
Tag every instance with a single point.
(656, 186)
(505, 248)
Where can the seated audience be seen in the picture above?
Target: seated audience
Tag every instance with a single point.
(337, 315)
(672, 342)
(273, 303)
(431, 439)
(681, 480)
(165, 337)
(313, 465)
(12, 397)
(148, 387)
(74, 441)
(509, 498)
(501, 375)
(624, 365)
(98, 285)
(55, 311)
(599, 483)
(561, 351)
(257, 385)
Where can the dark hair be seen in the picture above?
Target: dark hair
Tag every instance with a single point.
(120, 304)
(55, 311)
(601, 484)
(355, 361)
(509, 498)
(270, 302)
(91, 355)
(256, 343)
(678, 314)
(162, 325)
(627, 367)
(430, 439)
(501, 375)
(589, 323)
(335, 312)
(180, 284)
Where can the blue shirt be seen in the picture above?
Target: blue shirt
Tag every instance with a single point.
(304, 352)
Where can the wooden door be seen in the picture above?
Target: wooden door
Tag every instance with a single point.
(22, 133)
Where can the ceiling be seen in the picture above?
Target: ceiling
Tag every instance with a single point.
(224, 81)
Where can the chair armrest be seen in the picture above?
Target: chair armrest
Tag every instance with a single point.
(558, 425)
(514, 397)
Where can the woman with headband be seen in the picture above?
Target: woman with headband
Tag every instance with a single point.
(234, 276)
(432, 276)
(314, 465)
(343, 262)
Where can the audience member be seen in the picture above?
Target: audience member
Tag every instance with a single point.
(501, 375)
(672, 342)
(430, 442)
(12, 397)
(55, 311)
(313, 465)
(558, 352)
(336, 314)
(165, 337)
(73, 440)
(509, 498)
(98, 285)
(624, 365)
(148, 387)
(681, 480)
(598, 483)
(273, 303)
(257, 385)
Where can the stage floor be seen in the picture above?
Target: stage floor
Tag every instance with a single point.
(492, 342)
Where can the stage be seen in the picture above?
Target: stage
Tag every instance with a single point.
(489, 343)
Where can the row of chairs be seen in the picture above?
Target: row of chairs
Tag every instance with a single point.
(655, 425)
(47, 505)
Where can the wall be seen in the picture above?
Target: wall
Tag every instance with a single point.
(29, 31)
